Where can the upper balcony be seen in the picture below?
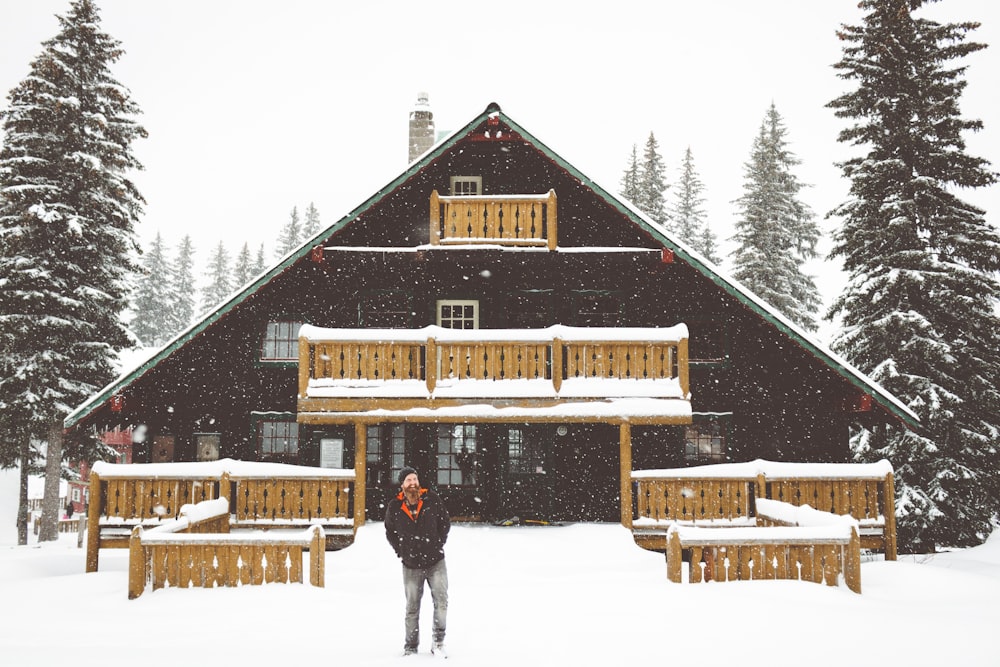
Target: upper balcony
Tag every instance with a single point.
(508, 220)
(558, 373)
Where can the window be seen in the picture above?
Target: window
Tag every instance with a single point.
(278, 438)
(458, 314)
(705, 442)
(386, 453)
(76, 494)
(598, 309)
(386, 309)
(281, 341)
(523, 456)
(466, 185)
(457, 464)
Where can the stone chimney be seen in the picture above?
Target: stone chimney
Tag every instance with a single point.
(421, 127)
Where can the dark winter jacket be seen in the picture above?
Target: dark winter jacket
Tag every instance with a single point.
(418, 538)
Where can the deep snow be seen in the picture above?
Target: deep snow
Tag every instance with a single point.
(579, 594)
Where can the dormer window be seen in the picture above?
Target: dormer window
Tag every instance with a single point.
(466, 185)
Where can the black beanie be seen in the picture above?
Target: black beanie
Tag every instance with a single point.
(407, 470)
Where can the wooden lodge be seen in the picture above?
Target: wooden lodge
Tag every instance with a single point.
(516, 332)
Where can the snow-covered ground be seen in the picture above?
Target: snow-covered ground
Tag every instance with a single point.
(523, 596)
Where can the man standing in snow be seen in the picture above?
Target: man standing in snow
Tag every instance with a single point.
(417, 525)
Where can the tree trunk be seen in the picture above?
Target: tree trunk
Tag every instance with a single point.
(51, 505)
(22, 506)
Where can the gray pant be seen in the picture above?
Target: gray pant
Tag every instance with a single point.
(436, 577)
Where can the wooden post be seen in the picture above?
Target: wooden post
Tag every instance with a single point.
(435, 229)
(431, 364)
(317, 558)
(682, 366)
(557, 364)
(304, 367)
(136, 564)
(360, 472)
(674, 556)
(93, 521)
(890, 518)
(760, 491)
(852, 562)
(625, 444)
(552, 226)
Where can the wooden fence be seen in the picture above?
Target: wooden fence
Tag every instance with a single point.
(512, 220)
(201, 552)
(126, 496)
(747, 554)
(331, 361)
(726, 494)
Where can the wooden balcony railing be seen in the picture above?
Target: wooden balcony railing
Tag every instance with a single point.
(512, 220)
(441, 364)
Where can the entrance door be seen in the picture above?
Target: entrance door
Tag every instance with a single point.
(527, 492)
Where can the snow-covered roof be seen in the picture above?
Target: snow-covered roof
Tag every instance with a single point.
(730, 285)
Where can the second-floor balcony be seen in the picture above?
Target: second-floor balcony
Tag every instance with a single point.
(558, 372)
(508, 220)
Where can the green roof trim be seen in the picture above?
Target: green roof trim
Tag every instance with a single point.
(854, 376)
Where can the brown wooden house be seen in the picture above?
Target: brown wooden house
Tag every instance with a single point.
(520, 335)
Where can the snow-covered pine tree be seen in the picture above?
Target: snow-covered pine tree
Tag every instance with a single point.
(630, 178)
(312, 222)
(154, 298)
(182, 309)
(291, 234)
(775, 231)
(67, 239)
(243, 271)
(260, 263)
(220, 283)
(920, 308)
(687, 217)
(652, 182)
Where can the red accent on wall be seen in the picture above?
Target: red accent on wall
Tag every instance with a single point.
(667, 256)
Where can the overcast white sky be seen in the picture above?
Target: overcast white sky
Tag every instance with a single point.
(253, 107)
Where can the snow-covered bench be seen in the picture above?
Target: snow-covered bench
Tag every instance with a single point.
(726, 496)
(260, 496)
(197, 550)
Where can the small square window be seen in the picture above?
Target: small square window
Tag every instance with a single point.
(278, 438)
(466, 185)
(458, 314)
(705, 442)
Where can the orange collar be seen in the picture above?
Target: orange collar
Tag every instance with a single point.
(406, 507)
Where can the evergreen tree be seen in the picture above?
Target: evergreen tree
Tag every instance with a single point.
(243, 272)
(919, 310)
(312, 223)
(291, 234)
(630, 178)
(687, 215)
(67, 239)
(182, 309)
(219, 279)
(260, 264)
(775, 232)
(152, 323)
(652, 182)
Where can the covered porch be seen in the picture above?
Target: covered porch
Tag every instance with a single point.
(546, 414)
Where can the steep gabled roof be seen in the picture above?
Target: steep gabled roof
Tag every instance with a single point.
(855, 377)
